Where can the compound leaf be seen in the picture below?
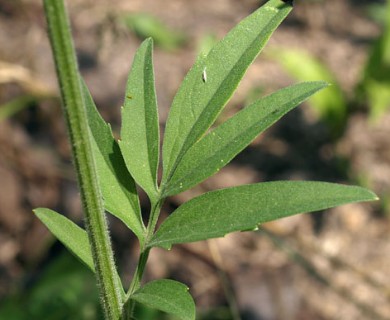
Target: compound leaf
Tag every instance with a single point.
(221, 145)
(213, 79)
(168, 296)
(217, 213)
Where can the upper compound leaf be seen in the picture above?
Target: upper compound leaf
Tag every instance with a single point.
(216, 149)
(213, 79)
(140, 131)
(117, 185)
(71, 235)
(168, 296)
(217, 213)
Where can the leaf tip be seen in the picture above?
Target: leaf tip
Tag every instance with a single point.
(375, 197)
(38, 211)
(289, 2)
(325, 83)
(149, 40)
(255, 228)
(321, 84)
(368, 195)
(167, 246)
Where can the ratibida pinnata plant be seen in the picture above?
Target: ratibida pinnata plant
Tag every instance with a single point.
(109, 170)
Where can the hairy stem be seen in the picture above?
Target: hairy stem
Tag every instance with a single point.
(76, 119)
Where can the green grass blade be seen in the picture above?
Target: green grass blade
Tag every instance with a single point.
(217, 213)
(140, 130)
(221, 145)
(168, 296)
(117, 185)
(213, 79)
(71, 235)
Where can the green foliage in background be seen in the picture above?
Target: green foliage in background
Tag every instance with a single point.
(64, 290)
(147, 26)
(109, 170)
(330, 105)
(12, 107)
(372, 88)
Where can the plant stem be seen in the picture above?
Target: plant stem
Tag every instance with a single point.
(128, 308)
(136, 281)
(77, 123)
(154, 215)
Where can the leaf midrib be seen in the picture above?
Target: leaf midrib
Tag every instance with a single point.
(149, 143)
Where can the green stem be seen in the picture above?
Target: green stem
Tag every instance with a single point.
(128, 308)
(76, 119)
(136, 281)
(154, 215)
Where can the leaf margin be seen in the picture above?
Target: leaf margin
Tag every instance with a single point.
(140, 137)
(165, 236)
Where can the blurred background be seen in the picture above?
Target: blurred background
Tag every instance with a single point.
(328, 265)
